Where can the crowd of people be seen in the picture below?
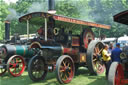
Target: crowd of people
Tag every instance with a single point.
(111, 54)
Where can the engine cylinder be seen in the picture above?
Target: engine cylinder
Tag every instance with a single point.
(48, 50)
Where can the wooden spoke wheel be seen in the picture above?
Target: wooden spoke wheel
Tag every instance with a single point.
(16, 65)
(65, 69)
(2, 69)
(116, 74)
(94, 60)
(36, 69)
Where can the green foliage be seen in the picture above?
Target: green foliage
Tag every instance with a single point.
(99, 11)
(3, 14)
(67, 8)
(103, 11)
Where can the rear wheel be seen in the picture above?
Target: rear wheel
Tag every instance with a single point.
(94, 61)
(65, 69)
(16, 65)
(116, 74)
(36, 69)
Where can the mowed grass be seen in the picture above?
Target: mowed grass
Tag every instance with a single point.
(81, 78)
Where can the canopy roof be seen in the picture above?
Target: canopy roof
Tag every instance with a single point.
(122, 17)
(38, 17)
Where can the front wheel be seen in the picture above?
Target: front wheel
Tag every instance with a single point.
(16, 65)
(116, 74)
(65, 69)
(36, 68)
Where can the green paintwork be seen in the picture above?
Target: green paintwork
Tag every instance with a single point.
(24, 51)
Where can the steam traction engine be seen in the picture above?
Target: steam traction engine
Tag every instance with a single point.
(60, 50)
(13, 54)
(118, 73)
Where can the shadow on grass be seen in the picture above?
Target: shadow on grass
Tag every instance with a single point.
(94, 79)
(51, 79)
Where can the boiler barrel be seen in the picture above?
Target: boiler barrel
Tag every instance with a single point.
(9, 50)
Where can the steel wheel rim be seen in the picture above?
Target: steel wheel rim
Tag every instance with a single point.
(38, 68)
(16, 66)
(119, 75)
(66, 70)
(97, 64)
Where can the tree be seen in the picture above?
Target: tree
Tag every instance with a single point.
(3, 13)
(102, 11)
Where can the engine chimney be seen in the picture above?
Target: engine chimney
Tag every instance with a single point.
(7, 30)
(51, 6)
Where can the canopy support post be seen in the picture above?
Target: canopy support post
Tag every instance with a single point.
(45, 29)
(27, 29)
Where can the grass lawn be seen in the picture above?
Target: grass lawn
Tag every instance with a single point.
(81, 78)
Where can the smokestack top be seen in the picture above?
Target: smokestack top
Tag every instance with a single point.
(7, 30)
(51, 6)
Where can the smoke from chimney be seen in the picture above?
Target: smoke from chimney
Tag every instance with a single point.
(12, 14)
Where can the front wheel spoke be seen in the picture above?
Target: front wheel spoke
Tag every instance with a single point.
(94, 59)
(61, 74)
(13, 70)
(66, 76)
(12, 61)
(11, 67)
(62, 70)
(16, 60)
(18, 69)
(11, 64)
(69, 73)
(96, 51)
(100, 51)
(94, 54)
(97, 48)
(98, 66)
(64, 63)
(19, 65)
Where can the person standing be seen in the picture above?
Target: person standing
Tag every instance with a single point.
(106, 59)
(115, 56)
(110, 48)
